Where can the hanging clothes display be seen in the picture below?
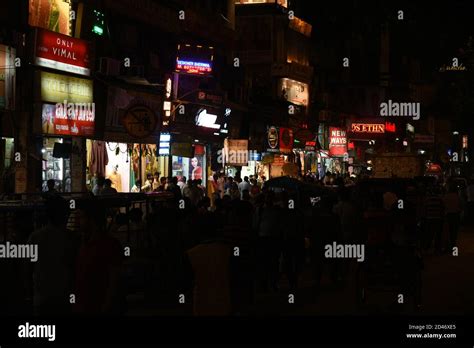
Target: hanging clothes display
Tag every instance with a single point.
(99, 158)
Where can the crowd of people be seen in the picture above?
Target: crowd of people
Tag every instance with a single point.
(224, 246)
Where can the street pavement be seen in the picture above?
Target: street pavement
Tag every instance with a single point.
(447, 288)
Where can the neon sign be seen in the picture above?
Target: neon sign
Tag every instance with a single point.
(390, 127)
(192, 67)
(368, 128)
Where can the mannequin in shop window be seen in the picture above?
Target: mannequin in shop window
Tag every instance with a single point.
(116, 179)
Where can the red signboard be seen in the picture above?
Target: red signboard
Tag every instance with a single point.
(75, 120)
(286, 140)
(337, 141)
(61, 52)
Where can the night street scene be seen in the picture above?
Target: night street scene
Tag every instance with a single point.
(245, 170)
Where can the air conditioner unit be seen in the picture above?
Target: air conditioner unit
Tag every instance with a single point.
(109, 66)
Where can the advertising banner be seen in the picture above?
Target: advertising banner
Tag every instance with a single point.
(286, 140)
(337, 142)
(52, 15)
(273, 137)
(63, 120)
(57, 88)
(61, 52)
(293, 91)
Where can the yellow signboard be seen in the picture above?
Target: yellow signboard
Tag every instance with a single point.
(57, 88)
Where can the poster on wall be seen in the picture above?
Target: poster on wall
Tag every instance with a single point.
(198, 163)
(7, 77)
(54, 15)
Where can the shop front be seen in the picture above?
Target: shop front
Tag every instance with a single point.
(133, 148)
(64, 109)
(67, 119)
(123, 163)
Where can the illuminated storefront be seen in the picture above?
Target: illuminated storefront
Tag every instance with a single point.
(124, 163)
(67, 117)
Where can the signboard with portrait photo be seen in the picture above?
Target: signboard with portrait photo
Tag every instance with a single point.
(193, 168)
(59, 120)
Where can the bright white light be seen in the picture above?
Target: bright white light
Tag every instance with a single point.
(207, 120)
(196, 140)
(43, 150)
(405, 143)
(421, 152)
(168, 88)
(455, 133)
(397, 139)
(165, 137)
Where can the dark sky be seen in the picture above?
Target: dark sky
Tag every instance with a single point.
(438, 27)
